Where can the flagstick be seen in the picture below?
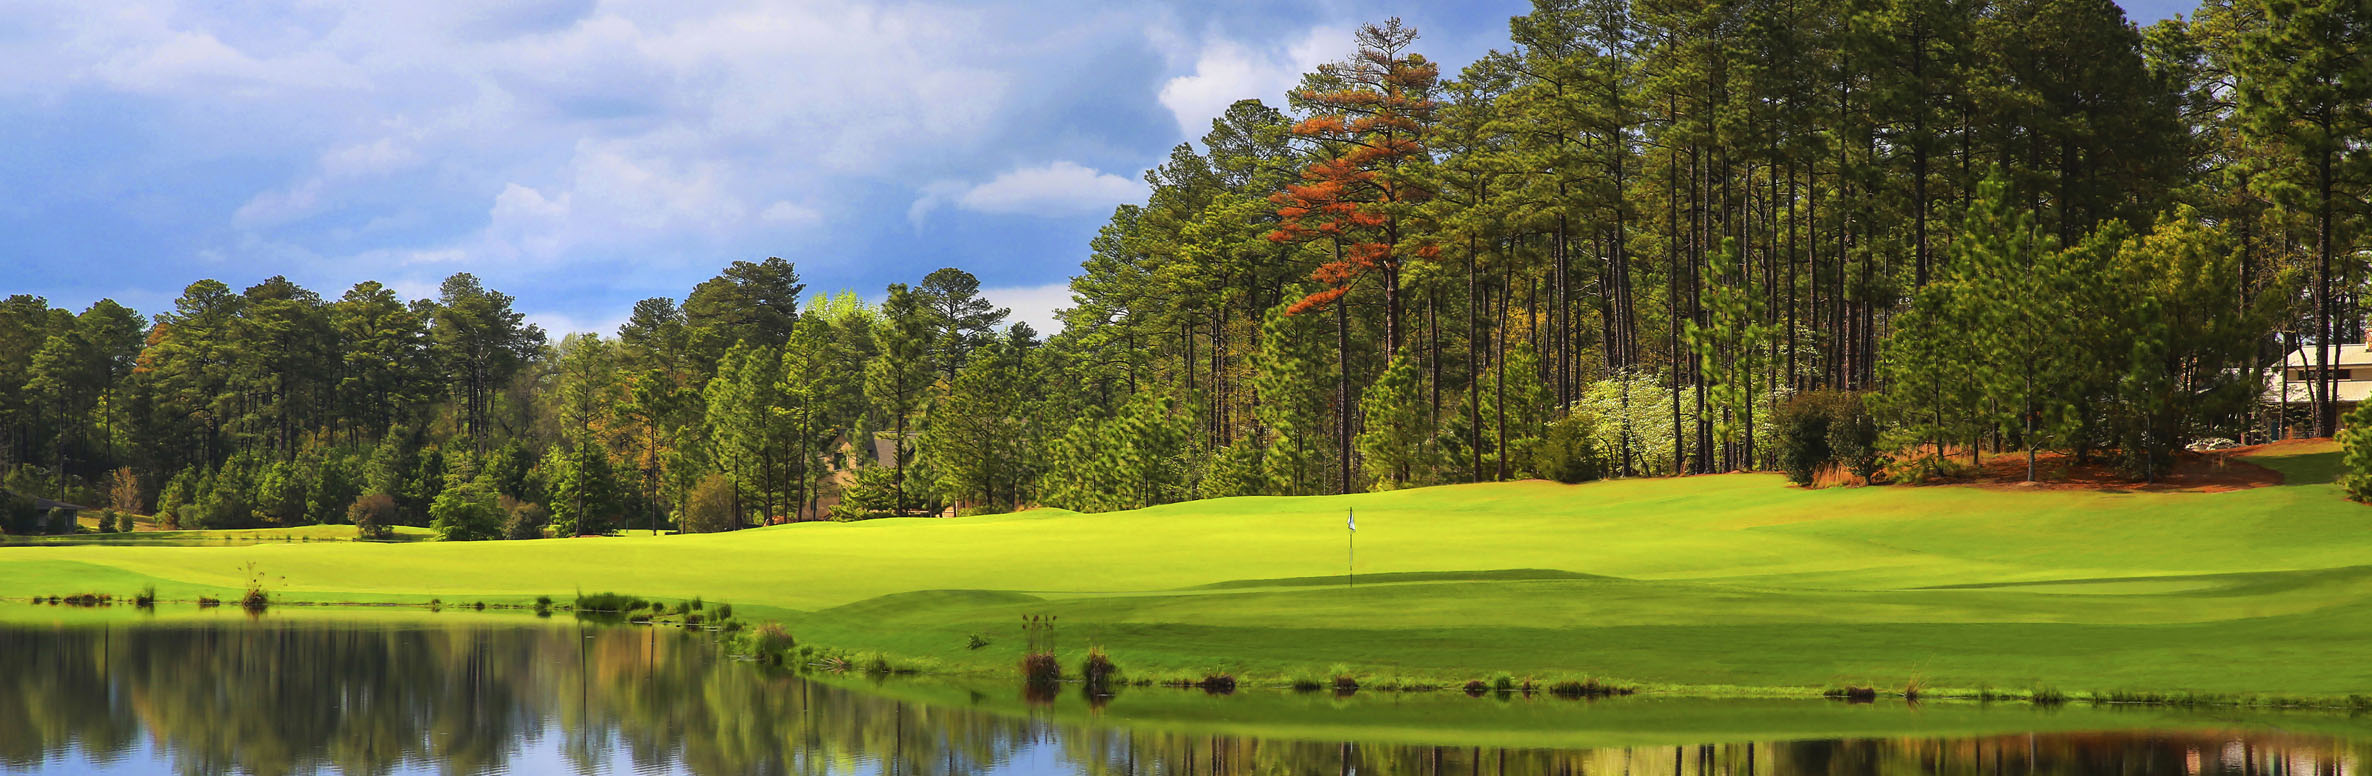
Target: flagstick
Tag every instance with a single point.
(1351, 558)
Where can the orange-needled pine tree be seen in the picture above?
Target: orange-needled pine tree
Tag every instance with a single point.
(1368, 117)
(1362, 194)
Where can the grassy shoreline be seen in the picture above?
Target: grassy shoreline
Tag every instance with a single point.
(1730, 585)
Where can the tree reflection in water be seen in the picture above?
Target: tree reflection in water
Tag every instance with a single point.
(272, 698)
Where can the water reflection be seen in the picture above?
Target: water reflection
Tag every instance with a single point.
(273, 698)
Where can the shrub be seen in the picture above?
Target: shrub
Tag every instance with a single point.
(2355, 439)
(1477, 687)
(1569, 452)
(522, 519)
(147, 597)
(1217, 684)
(466, 512)
(208, 602)
(1853, 439)
(1098, 670)
(1803, 435)
(18, 513)
(1345, 683)
(1040, 668)
(106, 521)
(607, 602)
(772, 642)
(1503, 682)
(723, 611)
(61, 521)
(372, 514)
(710, 507)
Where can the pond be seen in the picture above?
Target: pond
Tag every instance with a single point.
(469, 695)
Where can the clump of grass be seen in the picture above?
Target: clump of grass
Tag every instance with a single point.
(722, 612)
(208, 602)
(1852, 694)
(1913, 689)
(2046, 696)
(480, 606)
(1587, 688)
(692, 620)
(1217, 684)
(1098, 670)
(89, 600)
(1040, 668)
(256, 599)
(772, 641)
(1503, 682)
(976, 642)
(146, 598)
(1344, 682)
(1307, 684)
(1477, 687)
(879, 666)
(436, 604)
(607, 602)
(694, 605)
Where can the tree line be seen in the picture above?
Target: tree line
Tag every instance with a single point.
(1643, 238)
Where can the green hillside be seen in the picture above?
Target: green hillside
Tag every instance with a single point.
(1733, 583)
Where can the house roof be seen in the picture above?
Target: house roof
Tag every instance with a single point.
(2341, 355)
(46, 504)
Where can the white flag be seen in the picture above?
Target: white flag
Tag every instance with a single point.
(1354, 519)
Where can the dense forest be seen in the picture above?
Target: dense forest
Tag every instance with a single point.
(1646, 238)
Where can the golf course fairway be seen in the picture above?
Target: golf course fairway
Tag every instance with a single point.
(1719, 585)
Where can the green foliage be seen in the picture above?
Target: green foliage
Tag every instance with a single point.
(1289, 367)
(710, 508)
(1803, 424)
(982, 441)
(587, 498)
(523, 519)
(1135, 459)
(1393, 442)
(2355, 438)
(1853, 438)
(1569, 452)
(467, 511)
(19, 514)
(373, 516)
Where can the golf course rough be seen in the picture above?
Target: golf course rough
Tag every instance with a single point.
(1727, 584)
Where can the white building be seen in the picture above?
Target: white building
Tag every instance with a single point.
(2350, 368)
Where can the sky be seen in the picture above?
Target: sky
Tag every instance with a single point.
(583, 154)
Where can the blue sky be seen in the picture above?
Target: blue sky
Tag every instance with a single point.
(582, 154)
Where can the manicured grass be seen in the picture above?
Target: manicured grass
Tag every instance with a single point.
(1730, 584)
(309, 533)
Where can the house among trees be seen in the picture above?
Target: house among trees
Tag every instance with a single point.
(2293, 386)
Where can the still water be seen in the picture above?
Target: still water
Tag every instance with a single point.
(281, 696)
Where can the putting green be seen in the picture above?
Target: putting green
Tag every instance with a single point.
(1731, 583)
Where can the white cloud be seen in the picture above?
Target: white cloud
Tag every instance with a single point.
(792, 213)
(279, 205)
(1034, 305)
(1061, 188)
(1226, 71)
(377, 157)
